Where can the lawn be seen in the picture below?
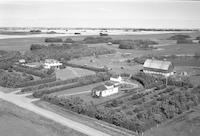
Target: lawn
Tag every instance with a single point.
(16, 121)
(77, 89)
(70, 72)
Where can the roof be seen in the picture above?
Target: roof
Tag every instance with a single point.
(100, 88)
(51, 61)
(109, 83)
(158, 65)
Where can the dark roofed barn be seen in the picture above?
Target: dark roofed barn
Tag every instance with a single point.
(160, 67)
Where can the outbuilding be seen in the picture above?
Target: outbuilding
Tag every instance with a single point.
(158, 67)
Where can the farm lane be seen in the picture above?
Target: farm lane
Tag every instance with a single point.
(25, 103)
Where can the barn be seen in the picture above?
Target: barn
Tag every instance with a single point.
(107, 89)
(158, 67)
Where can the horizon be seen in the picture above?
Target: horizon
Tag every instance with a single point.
(165, 14)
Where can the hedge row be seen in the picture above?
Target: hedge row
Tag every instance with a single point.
(36, 82)
(81, 82)
(86, 67)
(30, 71)
(50, 84)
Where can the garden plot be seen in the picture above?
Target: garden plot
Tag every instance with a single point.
(70, 72)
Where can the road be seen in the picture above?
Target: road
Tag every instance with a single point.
(26, 103)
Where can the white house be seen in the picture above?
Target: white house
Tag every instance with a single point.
(119, 79)
(158, 67)
(51, 63)
(22, 61)
(107, 89)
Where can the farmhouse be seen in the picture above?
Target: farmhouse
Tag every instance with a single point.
(51, 63)
(158, 67)
(118, 79)
(107, 89)
(22, 61)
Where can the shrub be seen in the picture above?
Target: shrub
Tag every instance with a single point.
(36, 82)
(136, 44)
(86, 67)
(184, 41)
(9, 79)
(36, 46)
(49, 84)
(30, 71)
(81, 82)
(53, 40)
(7, 65)
(69, 40)
(35, 31)
(179, 37)
(94, 40)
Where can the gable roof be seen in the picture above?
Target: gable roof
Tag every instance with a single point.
(158, 65)
(100, 88)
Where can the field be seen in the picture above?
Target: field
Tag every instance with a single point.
(19, 122)
(116, 62)
(70, 72)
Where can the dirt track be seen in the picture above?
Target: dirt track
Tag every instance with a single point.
(25, 103)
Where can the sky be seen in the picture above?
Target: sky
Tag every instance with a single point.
(104, 13)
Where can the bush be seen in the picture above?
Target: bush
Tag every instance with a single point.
(184, 41)
(136, 44)
(179, 37)
(30, 71)
(81, 82)
(49, 84)
(94, 40)
(69, 40)
(36, 82)
(9, 79)
(35, 31)
(53, 40)
(86, 67)
(36, 46)
(6, 65)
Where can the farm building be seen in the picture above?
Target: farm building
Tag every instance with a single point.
(158, 67)
(51, 63)
(107, 89)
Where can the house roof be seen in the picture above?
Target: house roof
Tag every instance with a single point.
(158, 65)
(109, 83)
(100, 88)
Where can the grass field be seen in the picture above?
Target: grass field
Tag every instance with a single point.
(16, 121)
(77, 89)
(70, 72)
